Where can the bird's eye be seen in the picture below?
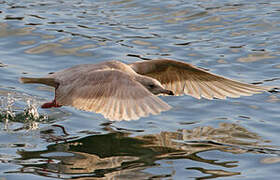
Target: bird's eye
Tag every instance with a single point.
(151, 85)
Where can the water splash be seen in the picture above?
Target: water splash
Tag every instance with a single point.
(7, 112)
(31, 112)
(20, 108)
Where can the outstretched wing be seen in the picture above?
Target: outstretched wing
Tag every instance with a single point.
(183, 78)
(112, 93)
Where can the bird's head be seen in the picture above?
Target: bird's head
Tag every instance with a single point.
(153, 85)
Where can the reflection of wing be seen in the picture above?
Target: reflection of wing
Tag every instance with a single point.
(110, 92)
(183, 78)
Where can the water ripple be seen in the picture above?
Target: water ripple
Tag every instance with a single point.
(196, 139)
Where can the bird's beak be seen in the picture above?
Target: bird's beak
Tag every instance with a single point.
(168, 92)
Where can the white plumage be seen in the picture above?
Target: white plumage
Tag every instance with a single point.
(125, 92)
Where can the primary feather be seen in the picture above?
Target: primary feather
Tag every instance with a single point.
(183, 78)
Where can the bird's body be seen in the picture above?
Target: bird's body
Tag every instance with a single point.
(122, 91)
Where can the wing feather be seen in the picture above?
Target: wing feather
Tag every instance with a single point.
(183, 78)
(113, 93)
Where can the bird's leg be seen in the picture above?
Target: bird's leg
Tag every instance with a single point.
(51, 104)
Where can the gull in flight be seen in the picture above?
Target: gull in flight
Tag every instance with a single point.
(122, 91)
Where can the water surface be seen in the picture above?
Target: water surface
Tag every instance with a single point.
(196, 139)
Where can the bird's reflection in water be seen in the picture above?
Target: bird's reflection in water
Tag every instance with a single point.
(116, 155)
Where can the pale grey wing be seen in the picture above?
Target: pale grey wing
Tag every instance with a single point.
(72, 73)
(112, 93)
(183, 78)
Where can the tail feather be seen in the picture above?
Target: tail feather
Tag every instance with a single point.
(46, 81)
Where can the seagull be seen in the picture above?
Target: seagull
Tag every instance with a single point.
(122, 91)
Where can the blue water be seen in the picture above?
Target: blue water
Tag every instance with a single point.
(196, 139)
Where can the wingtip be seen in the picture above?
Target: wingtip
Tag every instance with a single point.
(274, 90)
(21, 79)
(269, 88)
